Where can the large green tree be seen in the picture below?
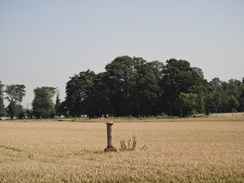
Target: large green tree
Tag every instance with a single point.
(157, 68)
(147, 89)
(1, 100)
(180, 77)
(15, 94)
(241, 98)
(121, 82)
(233, 104)
(42, 104)
(187, 103)
(58, 105)
(218, 98)
(78, 91)
(98, 103)
(235, 89)
(222, 92)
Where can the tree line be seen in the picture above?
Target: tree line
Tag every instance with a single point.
(131, 87)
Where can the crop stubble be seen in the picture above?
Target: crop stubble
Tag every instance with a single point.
(177, 151)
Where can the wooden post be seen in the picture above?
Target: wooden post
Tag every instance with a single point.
(110, 147)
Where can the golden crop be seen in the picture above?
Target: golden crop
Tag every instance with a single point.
(178, 150)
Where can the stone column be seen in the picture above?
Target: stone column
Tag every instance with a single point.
(110, 147)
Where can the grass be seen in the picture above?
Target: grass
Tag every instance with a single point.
(178, 150)
(130, 146)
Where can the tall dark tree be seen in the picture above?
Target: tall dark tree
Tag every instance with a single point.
(11, 109)
(224, 90)
(121, 83)
(235, 89)
(180, 77)
(241, 98)
(42, 105)
(218, 99)
(15, 94)
(1, 100)
(211, 103)
(20, 112)
(63, 109)
(157, 68)
(58, 105)
(78, 91)
(147, 89)
(233, 104)
(97, 105)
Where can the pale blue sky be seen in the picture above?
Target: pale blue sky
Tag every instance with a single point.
(44, 42)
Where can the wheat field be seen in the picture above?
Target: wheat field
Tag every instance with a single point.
(177, 150)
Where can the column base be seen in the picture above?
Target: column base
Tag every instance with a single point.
(110, 149)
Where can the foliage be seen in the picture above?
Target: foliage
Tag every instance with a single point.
(42, 104)
(11, 109)
(135, 87)
(58, 106)
(1, 100)
(228, 95)
(233, 103)
(15, 109)
(20, 112)
(98, 103)
(15, 94)
(29, 113)
(78, 91)
(147, 89)
(179, 78)
(187, 103)
(121, 83)
(132, 87)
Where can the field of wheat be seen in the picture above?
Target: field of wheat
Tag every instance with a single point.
(173, 150)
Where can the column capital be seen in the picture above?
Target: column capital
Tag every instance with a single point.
(110, 123)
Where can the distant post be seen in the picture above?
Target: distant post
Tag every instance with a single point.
(110, 147)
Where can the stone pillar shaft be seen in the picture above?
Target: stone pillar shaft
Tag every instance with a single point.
(110, 146)
(109, 135)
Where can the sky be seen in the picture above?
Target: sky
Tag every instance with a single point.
(45, 42)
